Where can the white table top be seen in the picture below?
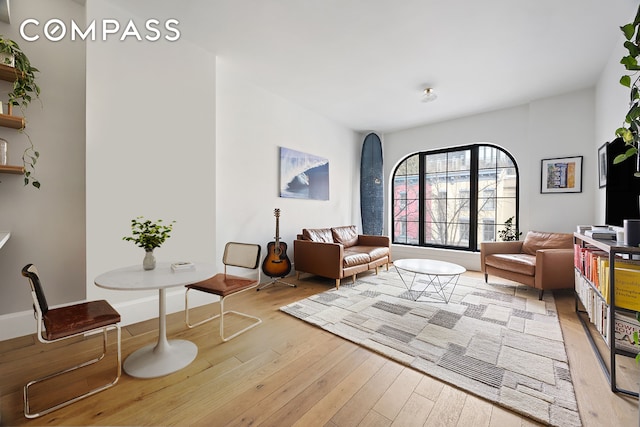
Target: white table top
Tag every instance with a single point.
(429, 266)
(135, 278)
(4, 236)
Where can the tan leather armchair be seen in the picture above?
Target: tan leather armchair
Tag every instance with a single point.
(542, 260)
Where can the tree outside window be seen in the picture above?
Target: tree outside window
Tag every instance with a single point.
(454, 197)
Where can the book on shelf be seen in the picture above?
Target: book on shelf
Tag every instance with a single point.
(625, 326)
(593, 264)
(601, 234)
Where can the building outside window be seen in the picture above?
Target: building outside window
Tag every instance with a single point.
(454, 198)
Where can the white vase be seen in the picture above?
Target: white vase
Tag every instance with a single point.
(149, 261)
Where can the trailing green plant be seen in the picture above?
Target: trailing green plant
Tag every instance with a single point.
(509, 232)
(24, 89)
(25, 86)
(628, 132)
(148, 234)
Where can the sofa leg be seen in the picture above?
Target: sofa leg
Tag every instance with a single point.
(297, 275)
(353, 279)
(377, 270)
(540, 294)
(486, 277)
(387, 264)
(337, 283)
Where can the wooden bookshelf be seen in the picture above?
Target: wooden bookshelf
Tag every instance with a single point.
(614, 251)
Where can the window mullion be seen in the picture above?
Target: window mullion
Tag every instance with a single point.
(421, 196)
(473, 198)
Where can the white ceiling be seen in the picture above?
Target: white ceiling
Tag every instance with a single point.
(364, 63)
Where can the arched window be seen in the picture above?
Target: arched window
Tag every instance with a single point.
(455, 197)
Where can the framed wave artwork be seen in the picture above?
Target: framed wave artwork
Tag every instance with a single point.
(303, 176)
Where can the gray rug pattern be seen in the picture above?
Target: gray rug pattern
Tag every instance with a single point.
(498, 342)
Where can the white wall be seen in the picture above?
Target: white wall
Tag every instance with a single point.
(150, 152)
(251, 126)
(47, 225)
(553, 127)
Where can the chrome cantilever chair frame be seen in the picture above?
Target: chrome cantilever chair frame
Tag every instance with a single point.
(39, 304)
(241, 255)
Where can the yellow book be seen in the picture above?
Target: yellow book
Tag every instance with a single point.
(627, 288)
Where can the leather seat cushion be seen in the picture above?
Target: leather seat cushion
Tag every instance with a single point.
(375, 252)
(64, 321)
(517, 263)
(347, 235)
(356, 255)
(535, 240)
(323, 235)
(223, 284)
(353, 258)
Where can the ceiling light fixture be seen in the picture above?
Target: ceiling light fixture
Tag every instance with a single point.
(429, 95)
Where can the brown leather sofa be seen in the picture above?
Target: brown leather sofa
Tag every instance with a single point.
(339, 252)
(542, 260)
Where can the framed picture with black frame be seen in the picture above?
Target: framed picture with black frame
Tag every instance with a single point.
(602, 166)
(561, 175)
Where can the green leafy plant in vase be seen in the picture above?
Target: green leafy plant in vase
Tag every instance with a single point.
(24, 90)
(149, 235)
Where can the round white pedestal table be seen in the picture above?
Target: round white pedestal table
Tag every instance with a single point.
(165, 356)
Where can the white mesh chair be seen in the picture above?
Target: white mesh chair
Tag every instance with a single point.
(239, 255)
(57, 324)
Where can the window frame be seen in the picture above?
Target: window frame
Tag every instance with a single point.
(474, 195)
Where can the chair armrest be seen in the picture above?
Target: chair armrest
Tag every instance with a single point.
(322, 259)
(554, 268)
(368, 240)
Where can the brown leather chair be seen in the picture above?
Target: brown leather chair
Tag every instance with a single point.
(76, 320)
(243, 257)
(542, 260)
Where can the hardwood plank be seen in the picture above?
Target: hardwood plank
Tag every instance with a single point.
(326, 407)
(274, 391)
(398, 393)
(414, 413)
(476, 412)
(447, 408)
(301, 403)
(360, 404)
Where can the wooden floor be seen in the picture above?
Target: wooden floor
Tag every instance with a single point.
(285, 372)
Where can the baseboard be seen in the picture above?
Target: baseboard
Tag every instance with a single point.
(19, 324)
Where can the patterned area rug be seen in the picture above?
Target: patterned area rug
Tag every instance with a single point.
(498, 342)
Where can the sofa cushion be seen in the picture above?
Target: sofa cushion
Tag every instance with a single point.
(517, 263)
(322, 235)
(347, 235)
(353, 258)
(374, 252)
(536, 240)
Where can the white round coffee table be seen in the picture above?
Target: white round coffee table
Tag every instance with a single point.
(439, 274)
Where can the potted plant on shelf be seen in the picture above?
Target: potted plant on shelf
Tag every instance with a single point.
(24, 90)
(149, 235)
(509, 232)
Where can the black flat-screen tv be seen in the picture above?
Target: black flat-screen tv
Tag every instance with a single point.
(622, 188)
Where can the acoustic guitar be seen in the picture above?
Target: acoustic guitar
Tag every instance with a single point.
(276, 263)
